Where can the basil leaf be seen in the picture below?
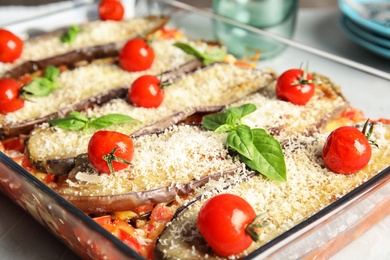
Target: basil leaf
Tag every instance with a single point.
(224, 128)
(241, 140)
(68, 123)
(213, 121)
(214, 55)
(51, 73)
(241, 111)
(256, 148)
(77, 115)
(189, 50)
(77, 121)
(268, 158)
(71, 34)
(110, 119)
(208, 57)
(40, 87)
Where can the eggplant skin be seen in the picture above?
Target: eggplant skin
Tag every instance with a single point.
(13, 130)
(71, 58)
(171, 76)
(129, 201)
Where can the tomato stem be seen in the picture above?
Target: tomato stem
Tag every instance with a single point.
(368, 132)
(253, 228)
(110, 157)
(303, 79)
(161, 83)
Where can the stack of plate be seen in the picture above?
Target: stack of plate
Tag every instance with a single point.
(370, 34)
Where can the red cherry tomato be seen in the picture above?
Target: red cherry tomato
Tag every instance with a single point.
(117, 146)
(346, 150)
(136, 55)
(111, 10)
(11, 46)
(146, 92)
(295, 86)
(222, 221)
(9, 96)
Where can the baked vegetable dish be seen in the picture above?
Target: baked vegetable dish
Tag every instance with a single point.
(175, 146)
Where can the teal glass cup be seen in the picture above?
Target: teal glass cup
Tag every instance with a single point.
(275, 16)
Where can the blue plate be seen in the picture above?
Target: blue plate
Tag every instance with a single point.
(365, 23)
(375, 48)
(368, 35)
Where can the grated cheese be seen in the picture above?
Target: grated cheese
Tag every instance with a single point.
(92, 34)
(188, 92)
(88, 81)
(179, 155)
(310, 188)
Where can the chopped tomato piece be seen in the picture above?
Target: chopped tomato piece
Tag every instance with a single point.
(129, 240)
(161, 213)
(103, 220)
(143, 209)
(14, 144)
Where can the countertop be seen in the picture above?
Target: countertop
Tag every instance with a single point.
(21, 237)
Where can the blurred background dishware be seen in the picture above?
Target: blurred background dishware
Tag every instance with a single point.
(275, 16)
(367, 23)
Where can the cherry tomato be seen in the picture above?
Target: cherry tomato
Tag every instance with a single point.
(295, 86)
(9, 96)
(11, 46)
(222, 221)
(136, 55)
(146, 92)
(111, 10)
(346, 150)
(108, 148)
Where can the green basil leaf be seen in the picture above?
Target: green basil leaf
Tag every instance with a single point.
(68, 123)
(208, 57)
(71, 34)
(110, 119)
(224, 128)
(189, 50)
(40, 87)
(268, 159)
(77, 115)
(51, 73)
(213, 121)
(241, 140)
(214, 55)
(241, 111)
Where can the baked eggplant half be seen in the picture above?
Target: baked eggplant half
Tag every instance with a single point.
(80, 191)
(96, 38)
(165, 165)
(52, 150)
(95, 83)
(310, 188)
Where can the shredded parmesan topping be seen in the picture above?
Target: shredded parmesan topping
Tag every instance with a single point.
(310, 187)
(88, 81)
(92, 33)
(225, 81)
(179, 155)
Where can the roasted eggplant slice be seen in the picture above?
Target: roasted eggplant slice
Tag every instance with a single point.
(171, 163)
(95, 38)
(207, 89)
(94, 83)
(292, 128)
(310, 188)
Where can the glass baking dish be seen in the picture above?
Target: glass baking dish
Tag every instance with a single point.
(321, 235)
